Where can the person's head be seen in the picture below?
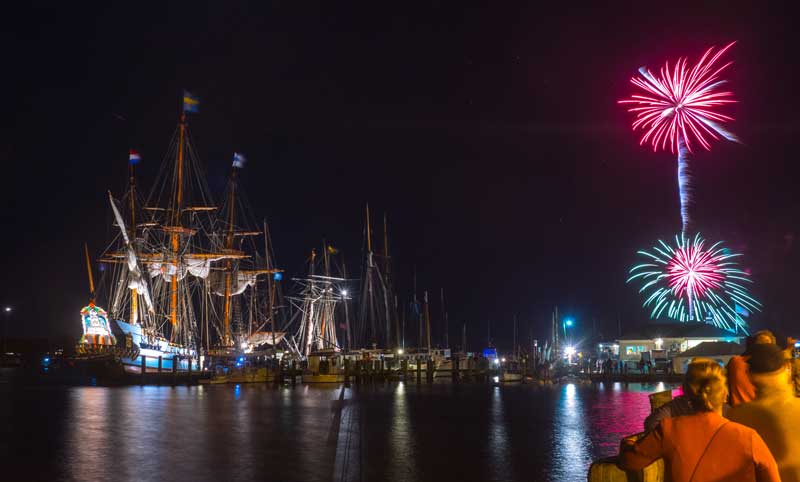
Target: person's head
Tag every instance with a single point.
(770, 366)
(706, 384)
(764, 337)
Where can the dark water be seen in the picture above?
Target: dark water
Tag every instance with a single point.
(401, 432)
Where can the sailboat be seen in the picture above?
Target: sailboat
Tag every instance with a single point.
(316, 341)
(378, 325)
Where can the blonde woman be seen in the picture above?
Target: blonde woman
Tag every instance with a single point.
(703, 446)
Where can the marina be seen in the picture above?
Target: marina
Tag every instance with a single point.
(412, 242)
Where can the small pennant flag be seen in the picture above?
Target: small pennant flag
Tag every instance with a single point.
(238, 160)
(134, 157)
(190, 102)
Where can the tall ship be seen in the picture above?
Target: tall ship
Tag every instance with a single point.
(182, 273)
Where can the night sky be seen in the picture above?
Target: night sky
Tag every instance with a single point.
(490, 136)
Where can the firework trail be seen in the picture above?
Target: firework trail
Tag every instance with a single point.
(677, 111)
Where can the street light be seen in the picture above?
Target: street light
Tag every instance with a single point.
(566, 322)
(7, 311)
(344, 292)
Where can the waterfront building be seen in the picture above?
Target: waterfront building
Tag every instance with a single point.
(670, 340)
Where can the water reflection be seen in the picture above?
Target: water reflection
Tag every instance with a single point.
(401, 466)
(87, 444)
(572, 451)
(500, 463)
(399, 432)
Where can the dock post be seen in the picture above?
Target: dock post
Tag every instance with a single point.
(404, 369)
(294, 373)
(159, 364)
(429, 370)
(189, 380)
(455, 370)
(346, 372)
(524, 369)
(419, 370)
(144, 367)
(174, 368)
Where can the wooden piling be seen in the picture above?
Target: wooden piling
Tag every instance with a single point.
(429, 370)
(524, 369)
(144, 367)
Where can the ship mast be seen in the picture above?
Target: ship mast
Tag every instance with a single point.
(132, 201)
(226, 320)
(427, 322)
(89, 272)
(175, 242)
(270, 287)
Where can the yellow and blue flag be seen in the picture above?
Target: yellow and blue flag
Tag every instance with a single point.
(190, 102)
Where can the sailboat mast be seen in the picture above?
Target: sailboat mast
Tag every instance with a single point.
(427, 322)
(226, 317)
(346, 312)
(514, 343)
(369, 236)
(132, 201)
(387, 267)
(445, 337)
(173, 305)
(89, 272)
(270, 289)
(326, 295)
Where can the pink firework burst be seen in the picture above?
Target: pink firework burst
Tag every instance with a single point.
(694, 270)
(678, 105)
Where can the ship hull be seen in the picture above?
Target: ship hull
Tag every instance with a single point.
(323, 378)
(158, 354)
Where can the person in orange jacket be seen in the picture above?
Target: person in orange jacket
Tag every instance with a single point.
(740, 386)
(703, 446)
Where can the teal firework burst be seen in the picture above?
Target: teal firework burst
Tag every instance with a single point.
(689, 281)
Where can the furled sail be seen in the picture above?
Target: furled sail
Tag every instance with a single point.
(199, 268)
(239, 282)
(137, 281)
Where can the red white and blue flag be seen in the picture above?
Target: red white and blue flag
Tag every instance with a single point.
(134, 157)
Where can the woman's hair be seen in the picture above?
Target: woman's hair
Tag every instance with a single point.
(705, 384)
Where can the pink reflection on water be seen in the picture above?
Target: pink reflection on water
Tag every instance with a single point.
(618, 411)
